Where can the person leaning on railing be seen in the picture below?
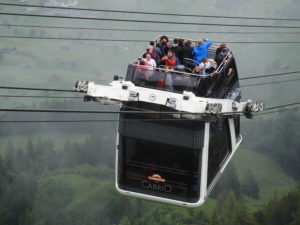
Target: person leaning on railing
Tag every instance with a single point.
(150, 62)
(204, 66)
(221, 53)
(169, 60)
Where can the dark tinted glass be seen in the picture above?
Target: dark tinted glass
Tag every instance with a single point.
(220, 85)
(237, 126)
(161, 162)
(168, 81)
(219, 147)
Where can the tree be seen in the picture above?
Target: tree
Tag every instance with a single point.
(27, 218)
(229, 210)
(18, 199)
(249, 185)
(53, 197)
(284, 210)
(3, 178)
(228, 181)
(10, 157)
(296, 218)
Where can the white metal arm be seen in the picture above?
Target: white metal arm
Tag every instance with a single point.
(125, 91)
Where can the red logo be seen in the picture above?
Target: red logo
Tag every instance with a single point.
(156, 177)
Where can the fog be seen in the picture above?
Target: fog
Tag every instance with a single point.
(63, 173)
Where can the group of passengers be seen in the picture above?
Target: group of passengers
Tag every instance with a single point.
(193, 59)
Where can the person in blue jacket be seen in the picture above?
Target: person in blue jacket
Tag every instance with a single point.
(201, 50)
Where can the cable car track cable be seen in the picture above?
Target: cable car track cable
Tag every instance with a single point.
(88, 121)
(149, 13)
(37, 89)
(269, 75)
(149, 21)
(128, 112)
(280, 106)
(141, 30)
(278, 111)
(68, 90)
(116, 120)
(273, 82)
(38, 96)
(141, 41)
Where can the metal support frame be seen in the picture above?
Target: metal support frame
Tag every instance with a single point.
(125, 91)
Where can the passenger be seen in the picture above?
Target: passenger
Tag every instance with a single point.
(201, 50)
(204, 66)
(188, 54)
(179, 51)
(169, 60)
(169, 47)
(174, 45)
(196, 70)
(175, 42)
(147, 51)
(221, 53)
(154, 55)
(158, 53)
(163, 45)
(166, 83)
(230, 71)
(213, 66)
(141, 65)
(140, 75)
(150, 63)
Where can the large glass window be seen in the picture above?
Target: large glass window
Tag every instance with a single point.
(169, 81)
(219, 147)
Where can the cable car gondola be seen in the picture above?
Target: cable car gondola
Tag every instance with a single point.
(177, 130)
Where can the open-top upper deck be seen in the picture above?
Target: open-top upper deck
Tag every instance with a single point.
(220, 81)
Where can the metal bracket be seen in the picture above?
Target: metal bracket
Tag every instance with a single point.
(81, 86)
(256, 106)
(171, 102)
(133, 96)
(214, 108)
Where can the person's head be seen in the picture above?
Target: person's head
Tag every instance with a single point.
(170, 53)
(141, 62)
(148, 56)
(147, 50)
(196, 69)
(152, 43)
(223, 45)
(180, 42)
(224, 51)
(204, 60)
(151, 47)
(200, 42)
(175, 41)
(164, 39)
(188, 43)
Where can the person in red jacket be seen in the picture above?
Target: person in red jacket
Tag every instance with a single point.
(169, 60)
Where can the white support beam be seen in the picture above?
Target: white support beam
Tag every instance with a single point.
(126, 91)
